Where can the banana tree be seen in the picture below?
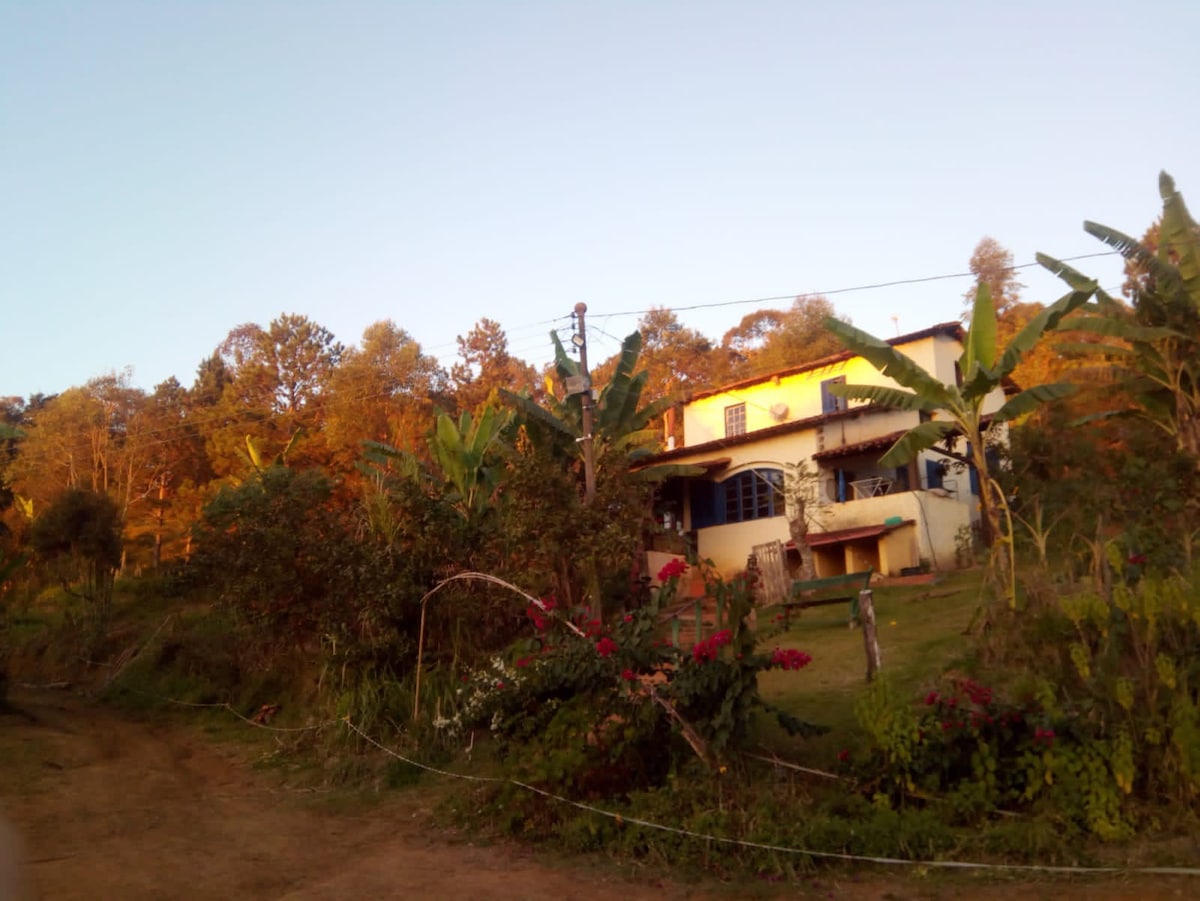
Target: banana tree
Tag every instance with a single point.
(984, 368)
(1156, 343)
(464, 453)
(622, 425)
(465, 458)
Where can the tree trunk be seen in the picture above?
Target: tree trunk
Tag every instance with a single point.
(796, 510)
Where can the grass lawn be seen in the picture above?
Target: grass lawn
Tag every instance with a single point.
(921, 634)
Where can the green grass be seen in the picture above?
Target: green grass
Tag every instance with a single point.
(921, 635)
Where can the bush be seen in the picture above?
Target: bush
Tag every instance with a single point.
(595, 709)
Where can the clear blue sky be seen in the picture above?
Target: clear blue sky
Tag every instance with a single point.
(169, 170)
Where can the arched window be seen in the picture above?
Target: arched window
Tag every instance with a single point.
(754, 494)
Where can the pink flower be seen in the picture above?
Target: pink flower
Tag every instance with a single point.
(628, 617)
(674, 568)
(790, 659)
(606, 646)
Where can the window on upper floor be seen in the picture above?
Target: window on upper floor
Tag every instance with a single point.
(830, 402)
(735, 420)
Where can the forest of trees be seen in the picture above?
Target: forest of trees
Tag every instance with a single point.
(290, 390)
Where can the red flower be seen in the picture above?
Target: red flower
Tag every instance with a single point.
(931, 699)
(628, 675)
(790, 659)
(628, 617)
(1041, 735)
(594, 628)
(844, 755)
(540, 620)
(703, 651)
(722, 638)
(606, 646)
(674, 568)
(979, 694)
(523, 662)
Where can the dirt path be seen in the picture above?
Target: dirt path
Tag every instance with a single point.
(114, 808)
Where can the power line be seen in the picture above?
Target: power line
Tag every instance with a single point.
(835, 291)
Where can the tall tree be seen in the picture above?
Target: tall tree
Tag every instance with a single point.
(278, 376)
(385, 390)
(992, 265)
(769, 340)
(485, 366)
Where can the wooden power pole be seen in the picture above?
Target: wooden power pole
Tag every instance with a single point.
(589, 449)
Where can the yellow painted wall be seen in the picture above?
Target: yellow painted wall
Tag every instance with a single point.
(939, 519)
(704, 418)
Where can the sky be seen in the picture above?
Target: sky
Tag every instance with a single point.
(171, 170)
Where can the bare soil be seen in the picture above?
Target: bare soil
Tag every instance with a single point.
(112, 807)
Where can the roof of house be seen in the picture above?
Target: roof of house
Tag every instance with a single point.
(841, 536)
(949, 329)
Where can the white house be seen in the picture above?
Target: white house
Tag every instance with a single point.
(745, 435)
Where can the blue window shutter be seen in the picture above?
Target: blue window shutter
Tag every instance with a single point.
(708, 507)
(831, 403)
(974, 480)
(933, 474)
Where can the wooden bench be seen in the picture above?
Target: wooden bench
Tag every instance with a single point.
(829, 590)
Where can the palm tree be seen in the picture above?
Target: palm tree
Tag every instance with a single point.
(984, 369)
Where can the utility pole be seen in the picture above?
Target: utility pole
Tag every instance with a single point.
(589, 450)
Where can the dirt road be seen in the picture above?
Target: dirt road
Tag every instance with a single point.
(114, 808)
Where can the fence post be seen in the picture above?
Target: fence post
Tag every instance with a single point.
(866, 612)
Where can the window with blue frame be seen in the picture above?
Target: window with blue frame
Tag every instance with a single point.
(754, 494)
(830, 402)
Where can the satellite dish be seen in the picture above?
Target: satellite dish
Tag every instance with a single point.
(779, 412)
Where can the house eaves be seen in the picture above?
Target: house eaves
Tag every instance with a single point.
(858, 447)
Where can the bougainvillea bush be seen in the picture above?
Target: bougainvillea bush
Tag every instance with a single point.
(1102, 725)
(598, 708)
